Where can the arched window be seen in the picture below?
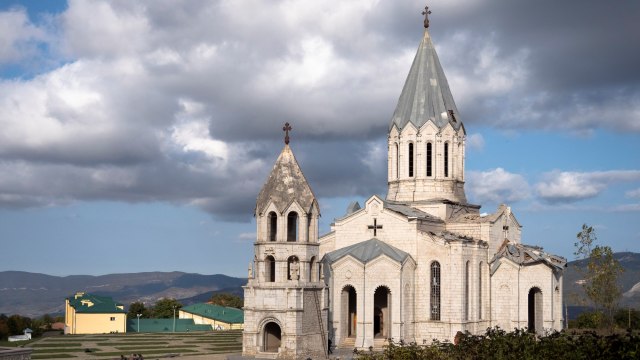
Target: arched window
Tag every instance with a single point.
(270, 269)
(435, 290)
(410, 159)
(397, 162)
(272, 226)
(480, 291)
(293, 268)
(292, 226)
(312, 269)
(466, 291)
(429, 159)
(446, 159)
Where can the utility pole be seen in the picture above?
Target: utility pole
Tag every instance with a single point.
(174, 318)
(138, 315)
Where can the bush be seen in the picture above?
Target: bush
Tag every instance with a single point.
(519, 344)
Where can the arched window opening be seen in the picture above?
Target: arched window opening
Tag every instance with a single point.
(535, 310)
(272, 226)
(397, 162)
(309, 227)
(293, 268)
(466, 291)
(480, 291)
(382, 313)
(435, 291)
(312, 269)
(292, 226)
(410, 159)
(272, 337)
(446, 159)
(429, 159)
(270, 269)
(350, 313)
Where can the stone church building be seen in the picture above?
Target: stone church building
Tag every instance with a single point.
(420, 264)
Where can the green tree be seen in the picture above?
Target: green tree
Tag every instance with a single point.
(165, 308)
(47, 320)
(136, 308)
(17, 324)
(601, 274)
(4, 328)
(627, 318)
(225, 299)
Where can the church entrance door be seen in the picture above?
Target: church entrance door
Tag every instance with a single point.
(272, 337)
(381, 312)
(535, 310)
(349, 311)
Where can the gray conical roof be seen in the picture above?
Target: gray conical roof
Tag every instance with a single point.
(285, 184)
(426, 94)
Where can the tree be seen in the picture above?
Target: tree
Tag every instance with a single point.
(627, 318)
(165, 308)
(136, 308)
(601, 275)
(225, 299)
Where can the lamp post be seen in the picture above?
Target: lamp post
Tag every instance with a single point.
(138, 315)
(174, 318)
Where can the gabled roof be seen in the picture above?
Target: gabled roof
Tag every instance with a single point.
(286, 183)
(426, 94)
(367, 251)
(225, 314)
(528, 255)
(88, 303)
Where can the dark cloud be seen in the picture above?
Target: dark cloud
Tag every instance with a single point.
(183, 103)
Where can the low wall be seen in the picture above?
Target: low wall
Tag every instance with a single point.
(15, 353)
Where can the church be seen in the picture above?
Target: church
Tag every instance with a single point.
(420, 264)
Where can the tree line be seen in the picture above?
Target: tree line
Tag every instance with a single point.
(167, 308)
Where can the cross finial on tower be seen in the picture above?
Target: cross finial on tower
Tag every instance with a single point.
(426, 13)
(286, 130)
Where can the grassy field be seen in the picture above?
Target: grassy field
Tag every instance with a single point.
(151, 346)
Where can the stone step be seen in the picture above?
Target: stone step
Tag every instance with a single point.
(349, 343)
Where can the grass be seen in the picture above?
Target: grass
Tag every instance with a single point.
(150, 345)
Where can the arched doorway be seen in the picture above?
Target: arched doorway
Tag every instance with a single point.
(535, 310)
(272, 337)
(381, 313)
(349, 311)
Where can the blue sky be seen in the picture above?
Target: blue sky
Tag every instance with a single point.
(136, 135)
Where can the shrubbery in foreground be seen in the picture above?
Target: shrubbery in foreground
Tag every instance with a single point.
(521, 345)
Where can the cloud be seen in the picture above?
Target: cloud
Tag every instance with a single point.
(496, 186)
(562, 186)
(19, 39)
(633, 193)
(475, 142)
(154, 101)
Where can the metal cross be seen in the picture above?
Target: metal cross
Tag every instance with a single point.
(286, 130)
(374, 227)
(426, 13)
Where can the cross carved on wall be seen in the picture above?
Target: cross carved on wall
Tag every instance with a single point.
(374, 227)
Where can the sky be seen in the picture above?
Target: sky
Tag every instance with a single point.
(136, 135)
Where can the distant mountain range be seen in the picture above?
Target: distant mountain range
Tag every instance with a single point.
(629, 280)
(31, 294)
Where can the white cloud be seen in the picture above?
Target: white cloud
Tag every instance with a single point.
(475, 142)
(247, 236)
(496, 186)
(18, 37)
(633, 193)
(566, 186)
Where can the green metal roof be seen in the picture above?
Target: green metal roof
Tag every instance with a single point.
(216, 312)
(94, 304)
(165, 325)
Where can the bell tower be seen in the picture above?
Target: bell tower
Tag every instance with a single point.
(426, 142)
(286, 300)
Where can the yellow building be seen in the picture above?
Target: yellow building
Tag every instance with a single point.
(219, 317)
(93, 314)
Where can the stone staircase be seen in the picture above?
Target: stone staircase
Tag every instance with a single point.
(348, 343)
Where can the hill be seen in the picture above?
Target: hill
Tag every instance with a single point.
(33, 294)
(629, 280)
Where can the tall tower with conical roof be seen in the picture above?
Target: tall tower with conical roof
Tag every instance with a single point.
(426, 143)
(285, 299)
